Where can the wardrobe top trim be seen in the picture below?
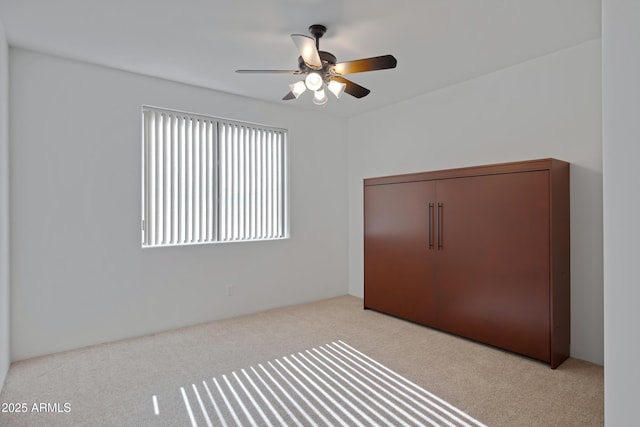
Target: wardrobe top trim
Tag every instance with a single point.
(493, 169)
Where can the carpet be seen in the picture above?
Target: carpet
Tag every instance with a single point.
(330, 385)
(113, 384)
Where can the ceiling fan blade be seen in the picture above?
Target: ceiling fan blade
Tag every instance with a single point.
(308, 51)
(289, 96)
(268, 71)
(352, 88)
(368, 64)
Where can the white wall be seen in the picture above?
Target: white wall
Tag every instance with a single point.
(79, 276)
(547, 107)
(621, 151)
(4, 207)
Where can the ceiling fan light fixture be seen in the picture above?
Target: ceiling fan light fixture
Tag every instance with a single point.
(320, 97)
(313, 81)
(336, 88)
(298, 88)
(321, 69)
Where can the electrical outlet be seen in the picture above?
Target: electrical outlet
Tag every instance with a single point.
(229, 290)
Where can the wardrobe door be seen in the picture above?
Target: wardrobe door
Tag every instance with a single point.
(493, 260)
(399, 249)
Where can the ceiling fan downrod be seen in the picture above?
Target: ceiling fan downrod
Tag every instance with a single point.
(317, 31)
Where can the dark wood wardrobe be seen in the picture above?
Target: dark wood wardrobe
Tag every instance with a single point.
(481, 252)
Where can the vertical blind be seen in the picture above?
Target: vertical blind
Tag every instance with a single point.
(208, 180)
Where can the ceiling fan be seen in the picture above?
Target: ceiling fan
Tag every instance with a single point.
(321, 69)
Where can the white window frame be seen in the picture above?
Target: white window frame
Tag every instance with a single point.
(212, 180)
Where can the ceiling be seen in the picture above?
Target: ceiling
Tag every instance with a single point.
(202, 42)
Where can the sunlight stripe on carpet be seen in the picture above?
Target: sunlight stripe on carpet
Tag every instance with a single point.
(330, 385)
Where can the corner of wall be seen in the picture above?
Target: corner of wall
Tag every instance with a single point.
(620, 68)
(4, 207)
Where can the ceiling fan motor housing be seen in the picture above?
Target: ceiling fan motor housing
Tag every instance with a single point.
(327, 58)
(328, 62)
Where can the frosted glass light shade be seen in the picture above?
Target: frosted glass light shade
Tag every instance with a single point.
(320, 97)
(313, 81)
(336, 88)
(297, 88)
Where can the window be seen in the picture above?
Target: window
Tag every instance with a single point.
(207, 180)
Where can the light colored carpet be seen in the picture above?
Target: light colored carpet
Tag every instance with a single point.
(329, 385)
(115, 384)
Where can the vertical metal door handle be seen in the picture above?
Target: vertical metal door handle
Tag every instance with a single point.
(430, 225)
(440, 239)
